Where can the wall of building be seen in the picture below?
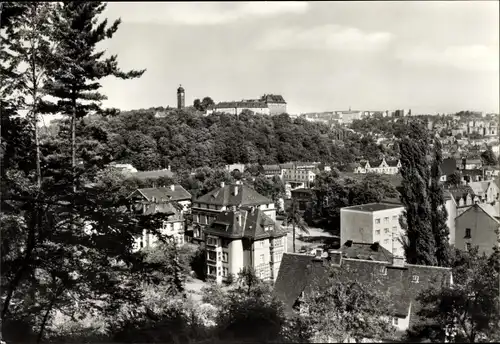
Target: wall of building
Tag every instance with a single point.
(482, 227)
(276, 109)
(356, 226)
(236, 256)
(269, 210)
(451, 209)
(261, 258)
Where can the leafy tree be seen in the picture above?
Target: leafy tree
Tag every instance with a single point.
(489, 158)
(454, 179)
(439, 215)
(343, 309)
(469, 310)
(419, 241)
(294, 217)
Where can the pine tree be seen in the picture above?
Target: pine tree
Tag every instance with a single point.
(419, 244)
(439, 214)
(74, 79)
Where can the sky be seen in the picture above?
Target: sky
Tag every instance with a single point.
(429, 56)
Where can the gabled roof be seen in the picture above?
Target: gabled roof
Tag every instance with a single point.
(273, 98)
(488, 209)
(164, 193)
(298, 273)
(392, 163)
(225, 196)
(375, 163)
(460, 191)
(246, 222)
(479, 187)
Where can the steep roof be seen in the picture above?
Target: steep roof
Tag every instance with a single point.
(273, 98)
(246, 222)
(479, 187)
(460, 191)
(177, 194)
(392, 163)
(225, 196)
(298, 273)
(488, 209)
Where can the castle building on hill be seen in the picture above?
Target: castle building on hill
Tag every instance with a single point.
(268, 104)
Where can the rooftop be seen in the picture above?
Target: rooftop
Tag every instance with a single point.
(373, 207)
(226, 196)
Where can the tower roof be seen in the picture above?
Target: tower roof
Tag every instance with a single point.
(180, 89)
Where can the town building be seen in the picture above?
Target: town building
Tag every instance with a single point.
(302, 197)
(244, 237)
(487, 191)
(271, 171)
(206, 208)
(463, 197)
(159, 200)
(268, 104)
(126, 169)
(373, 222)
(181, 97)
(378, 166)
(172, 193)
(299, 275)
(478, 226)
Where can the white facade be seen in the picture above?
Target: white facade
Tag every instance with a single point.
(383, 168)
(359, 224)
(239, 110)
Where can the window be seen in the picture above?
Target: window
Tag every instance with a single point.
(377, 221)
(224, 272)
(262, 259)
(196, 218)
(394, 229)
(468, 246)
(212, 241)
(377, 232)
(383, 270)
(386, 219)
(211, 255)
(386, 230)
(211, 270)
(225, 257)
(394, 218)
(467, 232)
(395, 321)
(278, 242)
(261, 243)
(386, 241)
(414, 279)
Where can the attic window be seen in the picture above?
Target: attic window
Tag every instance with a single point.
(414, 279)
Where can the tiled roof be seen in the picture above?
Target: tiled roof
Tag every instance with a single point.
(153, 174)
(474, 172)
(371, 207)
(375, 163)
(166, 193)
(240, 104)
(479, 187)
(270, 167)
(165, 208)
(287, 165)
(273, 98)
(460, 191)
(298, 273)
(226, 196)
(245, 222)
(358, 250)
(491, 210)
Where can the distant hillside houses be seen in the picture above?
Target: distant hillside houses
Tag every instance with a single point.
(378, 166)
(347, 117)
(268, 104)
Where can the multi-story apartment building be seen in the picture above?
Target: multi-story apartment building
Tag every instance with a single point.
(153, 201)
(206, 208)
(172, 193)
(373, 222)
(378, 166)
(244, 237)
(268, 104)
(299, 175)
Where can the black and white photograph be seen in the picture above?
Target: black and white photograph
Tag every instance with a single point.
(249, 172)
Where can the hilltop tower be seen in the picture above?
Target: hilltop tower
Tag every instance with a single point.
(180, 97)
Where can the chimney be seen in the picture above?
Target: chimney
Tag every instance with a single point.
(222, 184)
(398, 262)
(335, 257)
(236, 190)
(172, 187)
(375, 246)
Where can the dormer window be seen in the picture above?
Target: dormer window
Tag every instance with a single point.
(414, 279)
